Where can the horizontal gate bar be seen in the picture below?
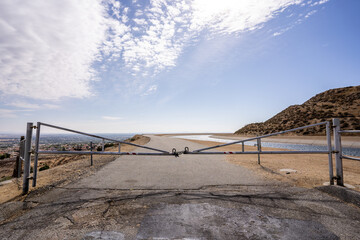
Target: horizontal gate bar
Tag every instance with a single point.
(351, 158)
(349, 131)
(103, 153)
(264, 136)
(105, 138)
(262, 152)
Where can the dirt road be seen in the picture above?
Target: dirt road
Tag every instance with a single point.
(189, 197)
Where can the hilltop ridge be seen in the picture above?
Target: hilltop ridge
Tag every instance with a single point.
(343, 103)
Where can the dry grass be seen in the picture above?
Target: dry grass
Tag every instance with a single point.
(312, 169)
(64, 169)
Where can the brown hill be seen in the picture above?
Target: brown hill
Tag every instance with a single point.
(343, 103)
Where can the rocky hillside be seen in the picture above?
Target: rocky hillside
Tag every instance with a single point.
(343, 103)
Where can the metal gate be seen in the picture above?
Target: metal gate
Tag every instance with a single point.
(26, 149)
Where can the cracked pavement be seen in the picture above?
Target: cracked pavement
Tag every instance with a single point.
(190, 197)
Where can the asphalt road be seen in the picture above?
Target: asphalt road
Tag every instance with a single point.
(168, 172)
(190, 197)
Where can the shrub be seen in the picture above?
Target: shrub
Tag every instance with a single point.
(44, 167)
(108, 145)
(78, 147)
(5, 155)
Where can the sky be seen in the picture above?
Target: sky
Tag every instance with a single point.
(170, 66)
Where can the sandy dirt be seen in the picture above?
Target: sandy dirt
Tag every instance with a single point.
(311, 170)
(63, 170)
(6, 168)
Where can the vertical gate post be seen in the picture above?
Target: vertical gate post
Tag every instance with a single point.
(103, 145)
(259, 148)
(91, 155)
(329, 148)
(37, 139)
(27, 160)
(19, 158)
(338, 150)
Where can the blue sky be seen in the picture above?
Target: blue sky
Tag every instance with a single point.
(170, 66)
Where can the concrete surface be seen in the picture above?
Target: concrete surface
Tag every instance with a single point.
(154, 198)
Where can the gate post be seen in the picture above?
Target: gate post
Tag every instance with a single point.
(37, 140)
(259, 148)
(338, 152)
(329, 148)
(91, 155)
(27, 160)
(19, 157)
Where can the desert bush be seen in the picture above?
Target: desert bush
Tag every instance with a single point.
(44, 167)
(5, 155)
(78, 147)
(108, 145)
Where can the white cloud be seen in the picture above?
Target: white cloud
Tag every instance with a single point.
(140, 21)
(301, 16)
(21, 104)
(152, 89)
(47, 47)
(10, 113)
(31, 106)
(50, 106)
(229, 16)
(156, 40)
(7, 113)
(282, 31)
(111, 118)
(319, 2)
(310, 13)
